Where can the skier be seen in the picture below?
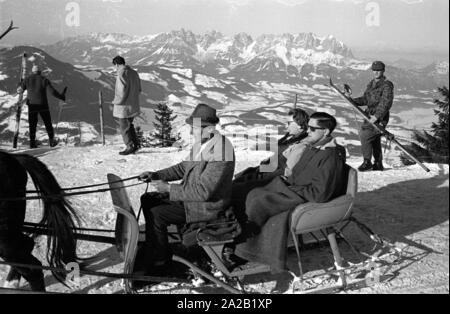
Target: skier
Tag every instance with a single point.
(378, 98)
(126, 103)
(37, 85)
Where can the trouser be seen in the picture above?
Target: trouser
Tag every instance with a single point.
(17, 248)
(128, 132)
(44, 112)
(159, 213)
(371, 143)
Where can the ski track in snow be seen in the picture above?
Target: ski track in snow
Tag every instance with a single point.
(406, 205)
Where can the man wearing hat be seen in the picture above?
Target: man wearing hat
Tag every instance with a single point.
(378, 98)
(203, 194)
(37, 86)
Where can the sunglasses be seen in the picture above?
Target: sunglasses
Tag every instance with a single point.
(315, 128)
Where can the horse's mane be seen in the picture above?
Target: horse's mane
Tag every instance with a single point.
(59, 217)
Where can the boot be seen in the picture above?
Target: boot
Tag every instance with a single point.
(366, 166)
(378, 166)
(53, 142)
(33, 144)
(129, 150)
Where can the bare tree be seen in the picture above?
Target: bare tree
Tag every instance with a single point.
(10, 28)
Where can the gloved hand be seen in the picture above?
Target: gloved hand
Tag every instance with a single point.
(373, 119)
(148, 176)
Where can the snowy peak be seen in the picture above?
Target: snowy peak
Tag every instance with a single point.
(335, 46)
(185, 47)
(242, 40)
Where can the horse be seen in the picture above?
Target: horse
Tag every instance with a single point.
(59, 218)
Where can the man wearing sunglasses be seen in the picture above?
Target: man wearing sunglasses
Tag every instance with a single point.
(319, 176)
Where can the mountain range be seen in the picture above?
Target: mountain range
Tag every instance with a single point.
(281, 58)
(184, 47)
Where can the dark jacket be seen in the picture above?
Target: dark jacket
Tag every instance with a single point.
(378, 98)
(205, 189)
(320, 176)
(37, 86)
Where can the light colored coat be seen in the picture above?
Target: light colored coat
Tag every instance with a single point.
(128, 88)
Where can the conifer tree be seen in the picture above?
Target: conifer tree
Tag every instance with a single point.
(432, 146)
(164, 117)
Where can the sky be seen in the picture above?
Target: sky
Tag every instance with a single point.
(361, 24)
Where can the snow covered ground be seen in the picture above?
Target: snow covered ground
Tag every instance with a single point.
(404, 204)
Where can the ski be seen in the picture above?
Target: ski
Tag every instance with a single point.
(380, 129)
(60, 105)
(19, 104)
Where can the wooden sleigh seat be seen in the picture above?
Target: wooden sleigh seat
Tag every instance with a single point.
(127, 227)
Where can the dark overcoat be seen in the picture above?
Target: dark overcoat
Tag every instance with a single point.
(320, 176)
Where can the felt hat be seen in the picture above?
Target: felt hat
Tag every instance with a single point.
(206, 114)
(378, 66)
